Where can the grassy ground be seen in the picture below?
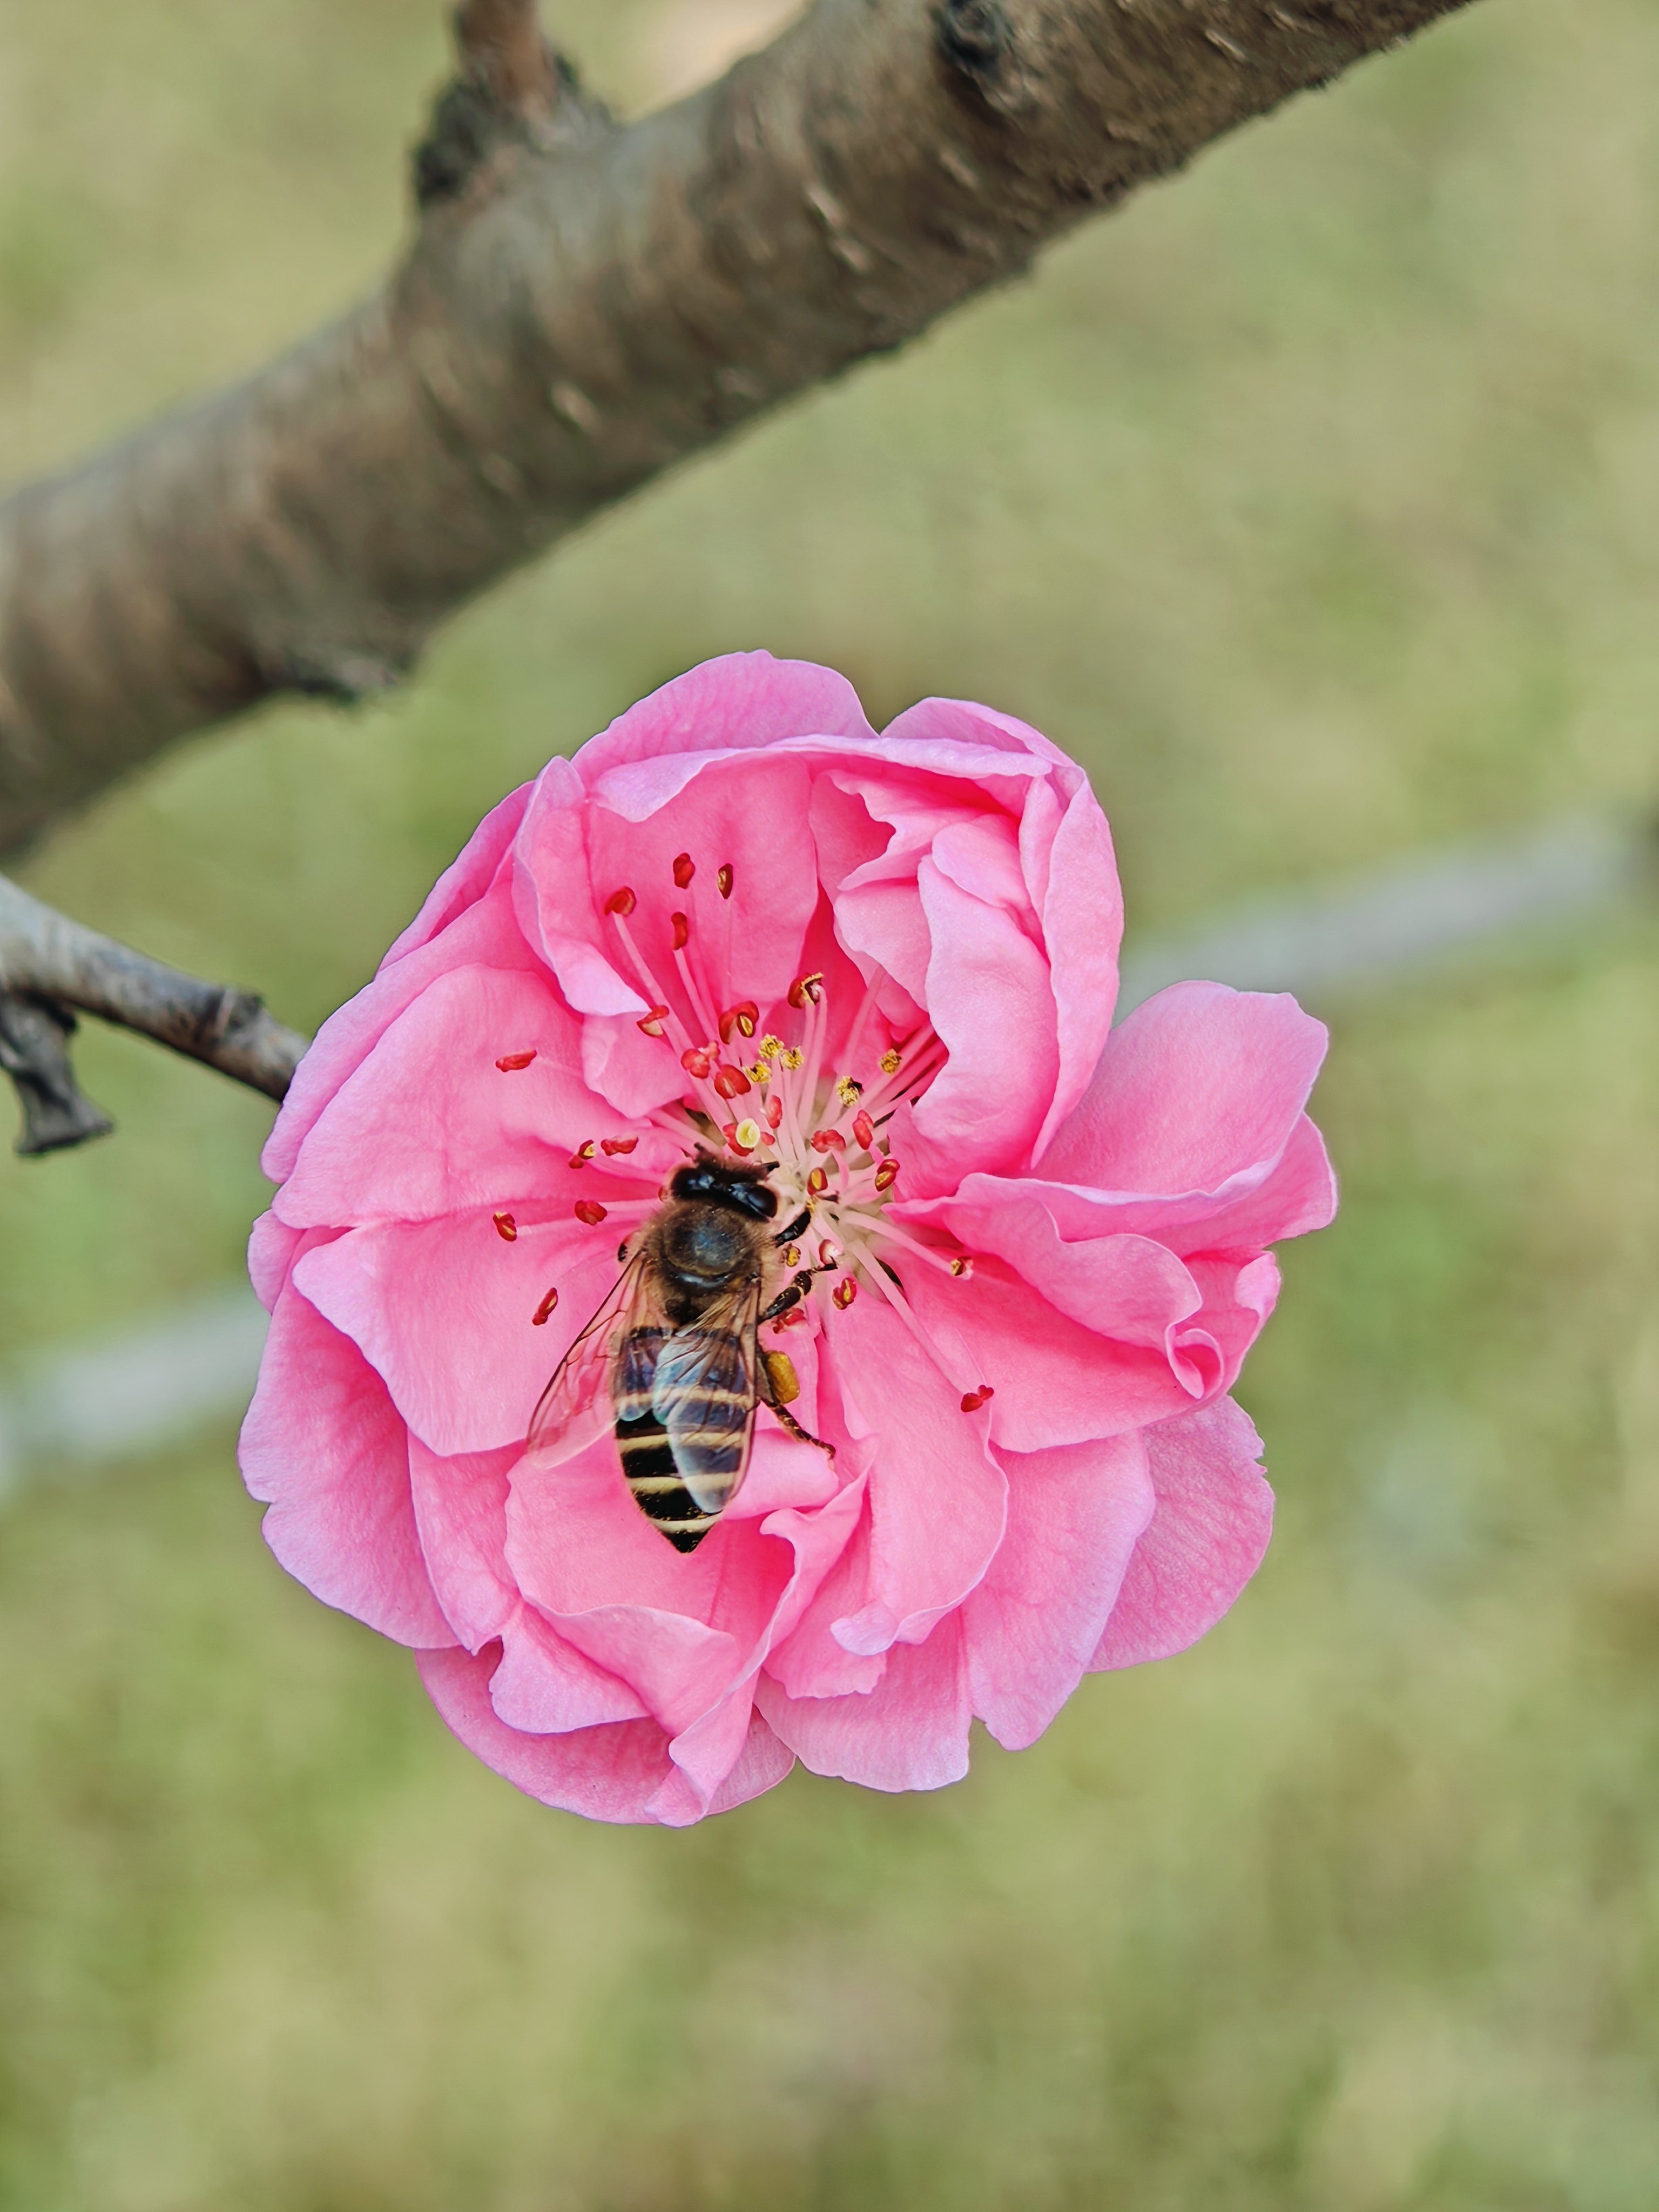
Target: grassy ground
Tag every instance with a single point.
(1311, 502)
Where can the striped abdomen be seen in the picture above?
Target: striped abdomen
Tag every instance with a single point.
(684, 1399)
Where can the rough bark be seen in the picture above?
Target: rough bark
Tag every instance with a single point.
(582, 306)
(48, 964)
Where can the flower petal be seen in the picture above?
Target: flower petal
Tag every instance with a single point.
(909, 1732)
(1033, 1624)
(323, 1446)
(739, 700)
(1204, 1541)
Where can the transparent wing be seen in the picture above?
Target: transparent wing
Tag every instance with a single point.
(577, 1404)
(703, 1392)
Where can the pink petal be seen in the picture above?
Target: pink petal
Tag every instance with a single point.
(1033, 1625)
(428, 1124)
(1198, 1082)
(485, 934)
(909, 1732)
(467, 878)
(937, 1498)
(545, 1686)
(1082, 911)
(609, 1773)
(1297, 1195)
(941, 726)
(323, 1446)
(740, 700)
(1204, 1541)
(272, 1247)
(443, 1311)
(460, 1515)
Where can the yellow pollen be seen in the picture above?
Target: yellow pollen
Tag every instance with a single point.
(747, 1134)
(791, 1056)
(759, 1072)
(769, 1046)
(889, 1062)
(851, 1092)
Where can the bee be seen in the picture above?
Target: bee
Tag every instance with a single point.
(675, 1348)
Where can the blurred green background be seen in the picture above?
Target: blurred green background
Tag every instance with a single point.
(1314, 502)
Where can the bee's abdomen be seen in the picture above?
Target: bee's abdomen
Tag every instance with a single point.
(700, 1443)
(658, 1486)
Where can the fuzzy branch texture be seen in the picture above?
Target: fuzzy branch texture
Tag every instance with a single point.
(583, 305)
(50, 965)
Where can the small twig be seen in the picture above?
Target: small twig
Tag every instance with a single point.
(49, 964)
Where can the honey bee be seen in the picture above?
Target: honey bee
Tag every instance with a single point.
(675, 1349)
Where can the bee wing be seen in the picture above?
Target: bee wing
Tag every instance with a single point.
(703, 1392)
(576, 1406)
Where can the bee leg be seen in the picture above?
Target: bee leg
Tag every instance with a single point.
(791, 1295)
(795, 1429)
(802, 1221)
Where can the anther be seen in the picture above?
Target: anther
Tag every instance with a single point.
(652, 1022)
(682, 931)
(506, 1227)
(850, 1089)
(542, 1312)
(818, 1182)
(806, 988)
(742, 1019)
(589, 1211)
(510, 1062)
(792, 1255)
(623, 901)
(864, 1129)
(962, 1265)
(975, 1399)
(770, 1046)
(889, 1062)
(829, 1257)
(697, 1062)
(684, 868)
(732, 1082)
(583, 1153)
(844, 1293)
(748, 1135)
(887, 1175)
(759, 1072)
(792, 1057)
(723, 876)
(611, 1145)
(828, 1140)
(774, 1111)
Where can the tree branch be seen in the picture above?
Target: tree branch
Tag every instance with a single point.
(49, 964)
(583, 306)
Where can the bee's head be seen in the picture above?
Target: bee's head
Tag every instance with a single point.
(727, 1182)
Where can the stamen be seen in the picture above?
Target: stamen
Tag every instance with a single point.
(975, 1399)
(889, 1062)
(748, 1135)
(804, 990)
(774, 1111)
(684, 868)
(963, 1265)
(759, 1072)
(887, 1175)
(792, 1057)
(511, 1061)
(865, 1130)
(844, 1293)
(829, 1257)
(682, 931)
(769, 1047)
(743, 1018)
(583, 1153)
(792, 1255)
(697, 1062)
(623, 901)
(542, 1313)
(652, 1022)
(818, 1182)
(732, 1082)
(588, 1210)
(611, 1145)
(506, 1227)
(732, 1132)
(850, 1091)
(825, 1141)
(723, 878)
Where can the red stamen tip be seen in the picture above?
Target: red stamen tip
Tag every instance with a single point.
(684, 868)
(697, 1062)
(652, 1022)
(583, 1153)
(863, 1128)
(828, 1140)
(539, 1318)
(723, 876)
(805, 987)
(682, 931)
(623, 901)
(510, 1062)
(828, 1256)
(611, 1145)
(887, 1175)
(748, 1016)
(774, 1111)
(506, 1227)
(733, 1141)
(732, 1082)
(589, 1211)
(962, 1265)
(818, 1182)
(974, 1401)
(844, 1293)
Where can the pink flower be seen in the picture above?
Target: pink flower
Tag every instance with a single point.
(883, 968)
